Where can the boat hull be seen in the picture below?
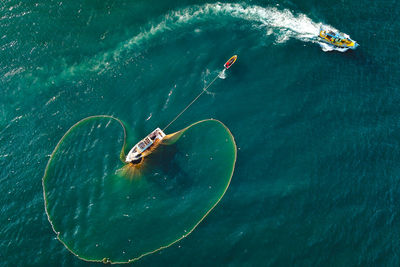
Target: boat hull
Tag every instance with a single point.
(145, 147)
(336, 39)
(353, 47)
(230, 62)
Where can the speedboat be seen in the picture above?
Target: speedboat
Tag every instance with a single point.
(145, 146)
(336, 39)
(230, 62)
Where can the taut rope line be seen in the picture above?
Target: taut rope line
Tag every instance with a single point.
(194, 100)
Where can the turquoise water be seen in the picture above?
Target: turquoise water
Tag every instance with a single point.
(317, 176)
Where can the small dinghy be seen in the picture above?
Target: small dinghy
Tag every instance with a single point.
(230, 62)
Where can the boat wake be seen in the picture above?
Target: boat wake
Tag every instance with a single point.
(273, 21)
(222, 74)
(327, 47)
(281, 23)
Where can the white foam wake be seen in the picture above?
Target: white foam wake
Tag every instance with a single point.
(326, 47)
(281, 23)
(285, 23)
(222, 74)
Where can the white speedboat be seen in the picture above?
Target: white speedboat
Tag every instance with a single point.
(145, 146)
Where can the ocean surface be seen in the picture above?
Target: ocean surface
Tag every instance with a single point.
(317, 175)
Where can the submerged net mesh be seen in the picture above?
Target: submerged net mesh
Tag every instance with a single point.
(105, 210)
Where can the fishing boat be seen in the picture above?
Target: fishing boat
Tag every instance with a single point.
(145, 146)
(230, 62)
(336, 38)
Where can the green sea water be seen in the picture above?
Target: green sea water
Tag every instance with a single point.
(316, 181)
(177, 185)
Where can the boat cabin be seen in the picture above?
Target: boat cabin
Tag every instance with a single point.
(136, 153)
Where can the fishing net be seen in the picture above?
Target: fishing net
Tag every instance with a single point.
(105, 210)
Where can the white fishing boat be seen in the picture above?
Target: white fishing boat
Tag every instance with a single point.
(145, 146)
